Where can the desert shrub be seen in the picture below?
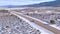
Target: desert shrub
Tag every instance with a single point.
(27, 14)
(52, 21)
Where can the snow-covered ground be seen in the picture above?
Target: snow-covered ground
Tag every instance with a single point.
(10, 24)
(46, 23)
(43, 30)
(55, 26)
(42, 21)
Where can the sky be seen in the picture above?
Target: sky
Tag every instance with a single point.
(21, 2)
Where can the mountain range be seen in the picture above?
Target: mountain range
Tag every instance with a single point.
(52, 3)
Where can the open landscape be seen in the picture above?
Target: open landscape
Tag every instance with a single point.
(50, 15)
(29, 16)
(30, 20)
(11, 24)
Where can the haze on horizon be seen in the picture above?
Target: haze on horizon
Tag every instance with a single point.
(21, 2)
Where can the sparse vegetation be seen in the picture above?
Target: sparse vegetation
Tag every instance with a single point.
(52, 21)
(27, 14)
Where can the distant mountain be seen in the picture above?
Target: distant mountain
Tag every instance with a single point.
(10, 6)
(52, 3)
